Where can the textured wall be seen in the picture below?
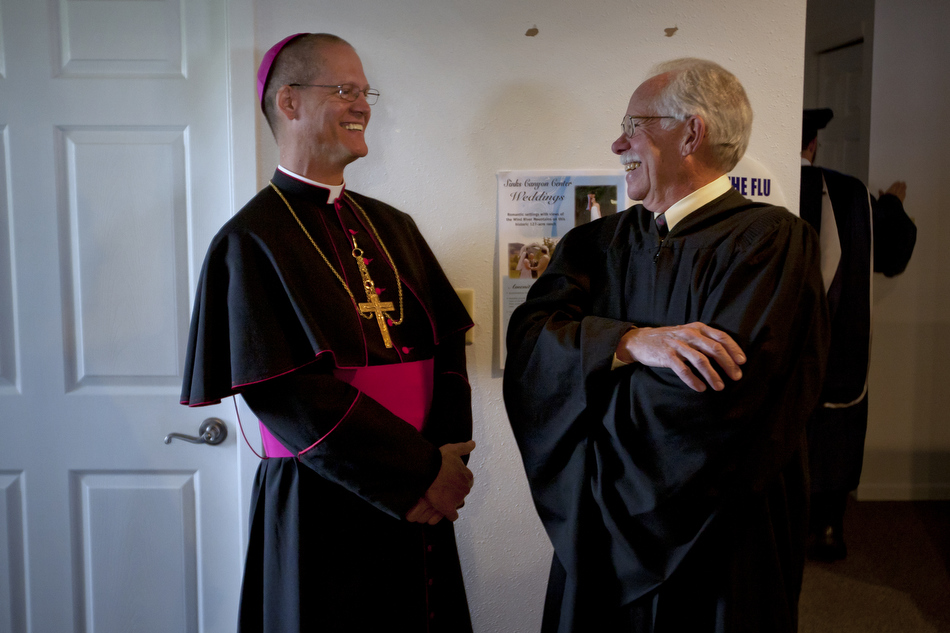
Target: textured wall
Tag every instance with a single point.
(466, 93)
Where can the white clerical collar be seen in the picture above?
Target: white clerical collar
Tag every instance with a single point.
(699, 198)
(335, 190)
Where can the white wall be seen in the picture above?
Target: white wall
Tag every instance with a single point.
(908, 447)
(464, 94)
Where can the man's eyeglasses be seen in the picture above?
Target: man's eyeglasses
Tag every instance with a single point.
(629, 126)
(347, 92)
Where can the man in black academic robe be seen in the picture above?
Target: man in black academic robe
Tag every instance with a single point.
(849, 221)
(674, 502)
(365, 410)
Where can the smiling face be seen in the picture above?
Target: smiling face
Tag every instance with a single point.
(653, 156)
(328, 130)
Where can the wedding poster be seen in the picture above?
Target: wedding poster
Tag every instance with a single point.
(535, 210)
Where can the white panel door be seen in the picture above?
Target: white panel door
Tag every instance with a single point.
(114, 174)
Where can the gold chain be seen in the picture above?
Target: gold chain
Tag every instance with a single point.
(382, 245)
(330, 266)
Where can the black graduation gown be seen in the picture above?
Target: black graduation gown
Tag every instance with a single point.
(836, 433)
(328, 547)
(671, 510)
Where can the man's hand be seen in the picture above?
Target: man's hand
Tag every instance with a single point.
(681, 346)
(423, 512)
(447, 493)
(898, 189)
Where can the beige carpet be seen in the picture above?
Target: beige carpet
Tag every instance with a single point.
(896, 578)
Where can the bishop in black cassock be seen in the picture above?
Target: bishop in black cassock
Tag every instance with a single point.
(328, 312)
(674, 503)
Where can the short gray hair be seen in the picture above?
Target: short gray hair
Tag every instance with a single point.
(300, 61)
(699, 87)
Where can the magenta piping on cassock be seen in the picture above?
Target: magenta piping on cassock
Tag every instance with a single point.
(236, 388)
(327, 434)
(283, 373)
(455, 373)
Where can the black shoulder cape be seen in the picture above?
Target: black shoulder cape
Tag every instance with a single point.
(266, 304)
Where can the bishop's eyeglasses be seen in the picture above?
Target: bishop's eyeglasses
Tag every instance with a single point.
(347, 92)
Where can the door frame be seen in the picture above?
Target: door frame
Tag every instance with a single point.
(243, 108)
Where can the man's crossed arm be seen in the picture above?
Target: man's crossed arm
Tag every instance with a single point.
(684, 348)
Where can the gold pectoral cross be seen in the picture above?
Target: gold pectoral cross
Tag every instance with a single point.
(373, 304)
(380, 308)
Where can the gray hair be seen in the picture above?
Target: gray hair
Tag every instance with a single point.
(699, 87)
(300, 61)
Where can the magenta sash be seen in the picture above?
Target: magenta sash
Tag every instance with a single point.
(403, 388)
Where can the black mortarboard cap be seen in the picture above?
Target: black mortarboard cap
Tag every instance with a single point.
(812, 121)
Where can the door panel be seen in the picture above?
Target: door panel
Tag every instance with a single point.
(120, 37)
(133, 531)
(126, 273)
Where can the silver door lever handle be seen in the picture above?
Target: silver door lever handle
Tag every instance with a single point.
(212, 431)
